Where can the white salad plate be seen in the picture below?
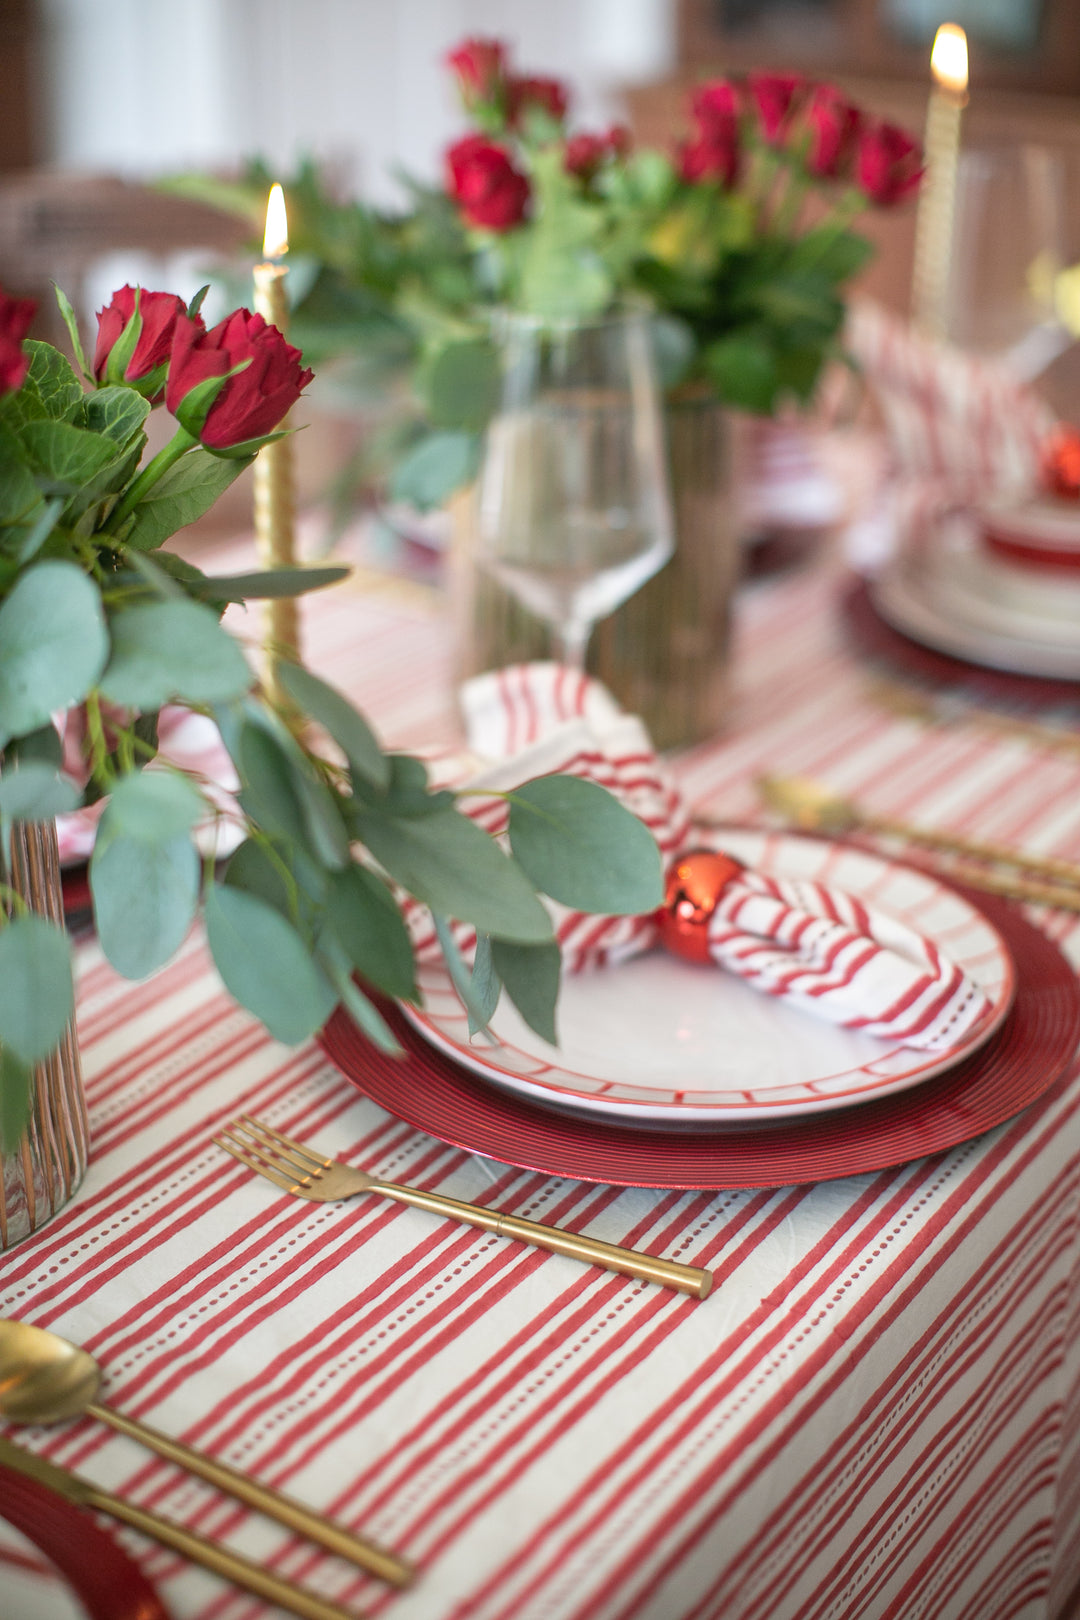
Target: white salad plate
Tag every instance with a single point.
(659, 1041)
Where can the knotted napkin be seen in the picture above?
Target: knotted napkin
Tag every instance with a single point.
(818, 947)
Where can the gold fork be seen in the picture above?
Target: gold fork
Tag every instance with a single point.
(298, 1169)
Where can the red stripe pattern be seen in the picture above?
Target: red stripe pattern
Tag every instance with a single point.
(875, 1415)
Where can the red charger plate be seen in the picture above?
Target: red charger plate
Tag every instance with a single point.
(96, 1567)
(1032, 1051)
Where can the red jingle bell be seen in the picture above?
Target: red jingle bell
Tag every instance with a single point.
(1061, 463)
(695, 883)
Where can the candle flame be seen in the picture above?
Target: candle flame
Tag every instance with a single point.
(276, 240)
(949, 58)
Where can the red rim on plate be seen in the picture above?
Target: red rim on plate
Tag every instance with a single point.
(876, 638)
(98, 1570)
(1030, 1054)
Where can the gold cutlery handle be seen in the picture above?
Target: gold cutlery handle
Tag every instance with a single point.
(261, 1497)
(1045, 865)
(1036, 894)
(668, 1273)
(219, 1560)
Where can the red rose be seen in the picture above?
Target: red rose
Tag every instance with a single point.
(713, 156)
(546, 95)
(249, 405)
(834, 123)
(490, 192)
(15, 317)
(587, 153)
(480, 65)
(160, 313)
(888, 165)
(716, 106)
(776, 97)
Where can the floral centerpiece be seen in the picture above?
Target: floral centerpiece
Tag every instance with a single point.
(330, 829)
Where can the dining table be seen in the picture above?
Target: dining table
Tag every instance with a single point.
(874, 1415)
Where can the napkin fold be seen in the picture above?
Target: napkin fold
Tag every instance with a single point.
(818, 947)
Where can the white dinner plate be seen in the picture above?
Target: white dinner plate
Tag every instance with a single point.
(946, 603)
(660, 1041)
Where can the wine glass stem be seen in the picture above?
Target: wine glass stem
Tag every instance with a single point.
(572, 638)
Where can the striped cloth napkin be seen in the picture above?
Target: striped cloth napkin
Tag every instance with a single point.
(818, 947)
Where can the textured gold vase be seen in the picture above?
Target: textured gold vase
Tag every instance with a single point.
(665, 653)
(41, 1174)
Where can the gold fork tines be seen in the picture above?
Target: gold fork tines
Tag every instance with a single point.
(295, 1168)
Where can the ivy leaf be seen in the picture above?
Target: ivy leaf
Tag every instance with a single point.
(582, 847)
(266, 965)
(36, 991)
(175, 649)
(53, 645)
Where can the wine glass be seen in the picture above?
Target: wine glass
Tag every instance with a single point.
(574, 513)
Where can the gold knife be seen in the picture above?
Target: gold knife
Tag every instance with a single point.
(229, 1565)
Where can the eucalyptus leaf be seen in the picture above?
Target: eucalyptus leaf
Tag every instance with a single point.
(530, 976)
(450, 864)
(175, 649)
(53, 645)
(266, 965)
(440, 464)
(284, 877)
(42, 747)
(16, 1092)
(365, 918)
(582, 847)
(154, 806)
(267, 789)
(461, 977)
(184, 493)
(461, 383)
(363, 1012)
(345, 724)
(145, 896)
(274, 582)
(36, 991)
(36, 792)
(275, 770)
(484, 985)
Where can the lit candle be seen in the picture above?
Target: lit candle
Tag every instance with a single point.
(273, 472)
(937, 204)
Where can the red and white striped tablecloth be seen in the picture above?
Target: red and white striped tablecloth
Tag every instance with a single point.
(876, 1413)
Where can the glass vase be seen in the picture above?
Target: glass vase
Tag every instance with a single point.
(665, 653)
(44, 1170)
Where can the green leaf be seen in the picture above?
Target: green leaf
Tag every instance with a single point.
(66, 457)
(429, 473)
(52, 382)
(345, 724)
(183, 494)
(35, 792)
(16, 1091)
(742, 368)
(360, 1009)
(154, 806)
(166, 650)
(837, 256)
(530, 976)
(284, 877)
(36, 992)
(460, 384)
(582, 847)
(282, 793)
(53, 645)
(263, 586)
(450, 864)
(145, 896)
(484, 985)
(41, 747)
(461, 978)
(119, 413)
(265, 965)
(19, 493)
(72, 324)
(365, 918)
(39, 531)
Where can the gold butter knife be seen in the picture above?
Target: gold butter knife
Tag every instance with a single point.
(229, 1565)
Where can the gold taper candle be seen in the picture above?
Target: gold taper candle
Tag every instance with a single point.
(273, 471)
(937, 204)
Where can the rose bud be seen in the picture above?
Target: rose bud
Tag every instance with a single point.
(888, 165)
(136, 351)
(834, 123)
(231, 387)
(713, 156)
(716, 106)
(15, 317)
(544, 95)
(775, 97)
(490, 192)
(587, 153)
(480, 66)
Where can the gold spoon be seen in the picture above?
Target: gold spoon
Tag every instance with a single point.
(813, 808)
(44, 1379)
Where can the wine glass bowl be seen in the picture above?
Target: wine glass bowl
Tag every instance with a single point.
(574, 509)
